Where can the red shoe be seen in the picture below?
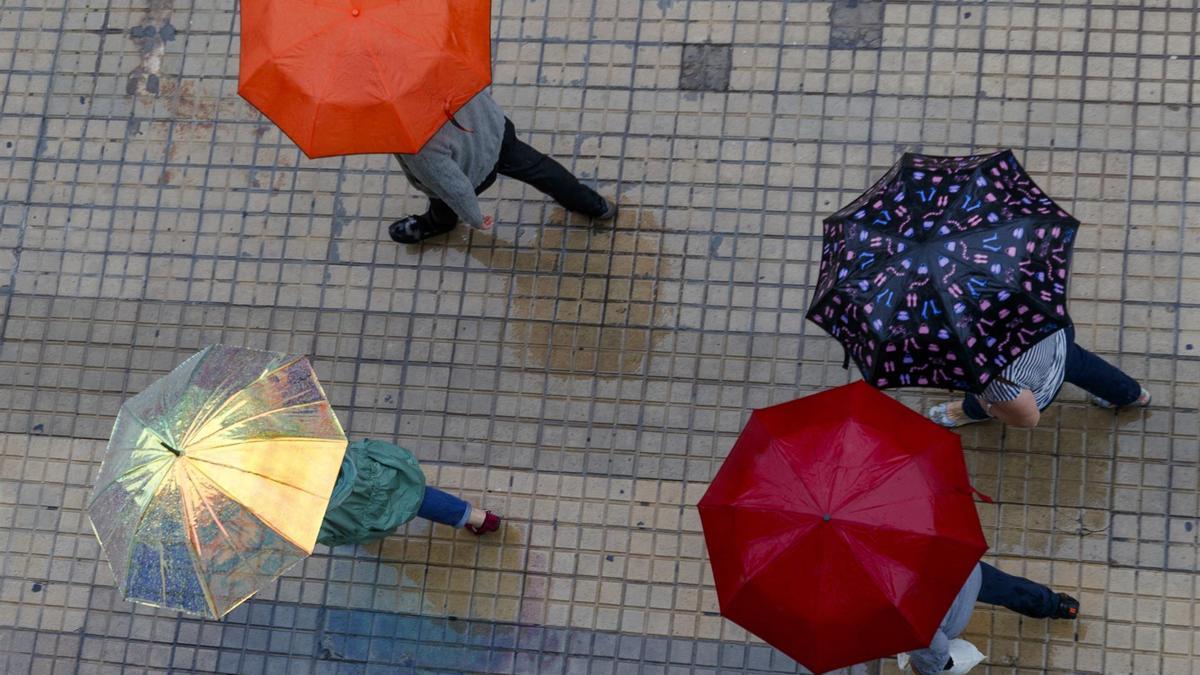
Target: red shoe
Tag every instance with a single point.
(1068, 607)
(491, 523)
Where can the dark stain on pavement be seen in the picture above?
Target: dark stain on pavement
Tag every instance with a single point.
(583, 302)
(151, 37)
(856, 24)
(337, 223)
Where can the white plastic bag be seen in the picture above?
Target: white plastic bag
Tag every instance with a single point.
(964, 654)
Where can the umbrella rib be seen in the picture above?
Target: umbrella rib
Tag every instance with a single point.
(886, 178)
(978, 170)
(797, 538)
(873, 528)
(203, 413)
(959, 345)
(198, 422)
(137, 418)
(391, 99)
(273, 411)
(853, 276)
(984, 161)
(198, 357)
(763, 509)
(896, 466)
(295, 45)
(194, 551)
(141, 518)
(1029, 220)
(252, 473)
(368, 48)
(398, 31)
(274, 439)
(875, 582)
(107, 486)
(1032, 299)
(319, 97)
(145, 425)
(269, 524)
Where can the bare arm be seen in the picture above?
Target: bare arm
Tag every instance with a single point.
(1020, 412)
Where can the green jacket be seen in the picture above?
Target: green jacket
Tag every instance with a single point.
(379, 488)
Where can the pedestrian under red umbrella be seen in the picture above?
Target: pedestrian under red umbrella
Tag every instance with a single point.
(993, 587)
(841, 527)
(1033, 381)
(463, 159)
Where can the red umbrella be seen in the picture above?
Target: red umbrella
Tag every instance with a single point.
(341, 77)
(841, 527)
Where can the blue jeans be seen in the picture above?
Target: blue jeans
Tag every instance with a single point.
(1016, 593)
(1086, 371)
(443, 507)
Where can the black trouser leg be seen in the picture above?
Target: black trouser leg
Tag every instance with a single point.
(1099, 377)
(521, 161)
(441, 216)
(1017, 593)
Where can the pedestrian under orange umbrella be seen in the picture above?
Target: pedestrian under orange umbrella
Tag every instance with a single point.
(463, 159)
(344, 77)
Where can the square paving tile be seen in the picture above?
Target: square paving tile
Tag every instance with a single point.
(585, 381)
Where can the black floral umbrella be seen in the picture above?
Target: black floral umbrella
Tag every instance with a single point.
(944, 271)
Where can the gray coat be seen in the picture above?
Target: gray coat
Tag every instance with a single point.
(933, 658)
(454, 162)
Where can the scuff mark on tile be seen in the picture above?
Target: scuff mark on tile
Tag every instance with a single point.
(856, 24)
(336, 224)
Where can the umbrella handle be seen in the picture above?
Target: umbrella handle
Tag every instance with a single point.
(450, 116)
(845, 358)
(982, 497)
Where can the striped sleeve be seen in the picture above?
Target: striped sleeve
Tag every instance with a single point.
(1040, 370)
(999, 392)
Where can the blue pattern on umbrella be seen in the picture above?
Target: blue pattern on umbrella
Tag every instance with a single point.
(945, 271)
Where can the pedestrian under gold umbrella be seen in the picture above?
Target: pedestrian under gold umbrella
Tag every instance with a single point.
(218, 477)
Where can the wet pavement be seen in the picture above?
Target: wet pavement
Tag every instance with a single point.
(585, 382)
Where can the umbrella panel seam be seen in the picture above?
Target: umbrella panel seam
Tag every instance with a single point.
(265, 413)
(194, 550)
(265, 522)
(199, 422)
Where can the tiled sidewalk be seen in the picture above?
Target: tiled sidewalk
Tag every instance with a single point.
(584, 382)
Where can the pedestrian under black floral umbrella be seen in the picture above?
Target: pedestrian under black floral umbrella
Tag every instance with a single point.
(952, 272)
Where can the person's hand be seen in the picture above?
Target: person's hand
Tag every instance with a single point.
(488, 222)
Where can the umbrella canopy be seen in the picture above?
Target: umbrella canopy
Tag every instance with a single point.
(945, 271)
(216, 479)
(342, 77)
(841, 527)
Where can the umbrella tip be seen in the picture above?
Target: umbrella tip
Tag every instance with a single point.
(173, 450)
(825, 517)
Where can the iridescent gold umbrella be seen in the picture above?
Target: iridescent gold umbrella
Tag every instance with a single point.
(216, 479)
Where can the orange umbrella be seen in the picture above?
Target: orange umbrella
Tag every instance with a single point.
(342, 77)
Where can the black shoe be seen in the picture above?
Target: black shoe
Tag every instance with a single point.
(416, 229)
(610, 211)
(1068, 607)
